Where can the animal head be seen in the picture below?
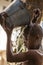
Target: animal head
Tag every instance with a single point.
(33, 36)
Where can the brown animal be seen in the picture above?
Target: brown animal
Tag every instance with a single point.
(32, 39)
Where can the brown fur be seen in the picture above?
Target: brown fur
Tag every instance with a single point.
(33, 37)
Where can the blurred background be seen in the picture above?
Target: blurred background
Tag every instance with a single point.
(17, 39)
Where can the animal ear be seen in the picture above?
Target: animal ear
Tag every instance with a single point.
(36, 16)
(37, 12)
